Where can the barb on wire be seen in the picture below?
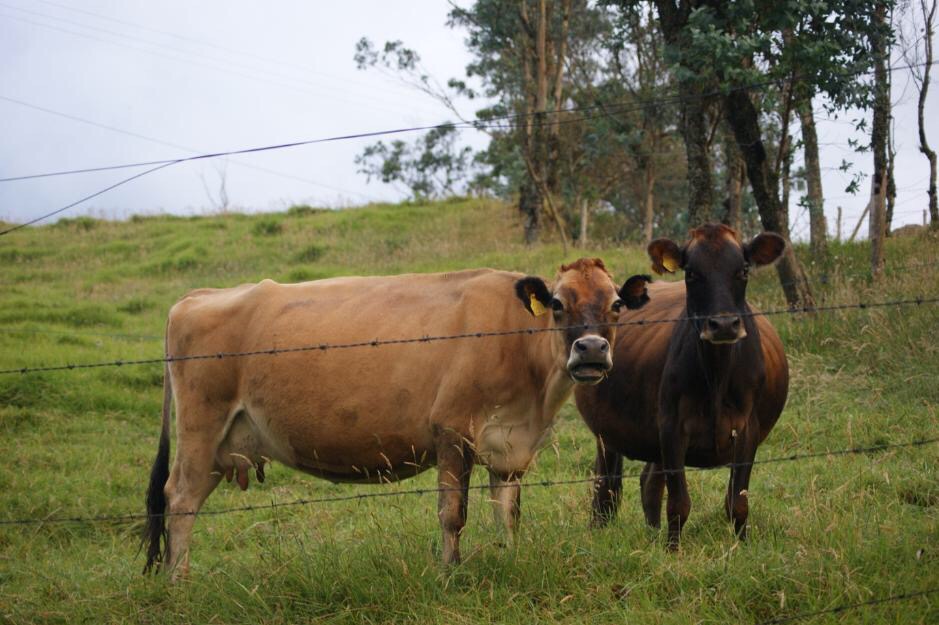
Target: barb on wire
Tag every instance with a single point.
(323, 347)
(120, 518)
(851, 606)
(478, 125)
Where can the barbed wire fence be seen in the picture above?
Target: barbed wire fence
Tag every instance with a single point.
(832, 276)
(497, 123)
(131, 517)
(376, 342)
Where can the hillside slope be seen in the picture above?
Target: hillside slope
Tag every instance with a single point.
(826, 531)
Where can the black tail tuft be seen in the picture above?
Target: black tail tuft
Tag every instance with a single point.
(154, 534)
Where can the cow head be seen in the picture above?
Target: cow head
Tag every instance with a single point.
(716, 266)
(581, 298)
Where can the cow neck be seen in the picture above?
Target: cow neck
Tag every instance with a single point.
(548, 363)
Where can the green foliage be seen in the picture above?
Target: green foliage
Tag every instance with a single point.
(433, 167)
(303, 210)
(268, 227)
(311, 253)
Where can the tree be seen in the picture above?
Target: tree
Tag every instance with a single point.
(877, 222)
(814, 199)
(431, 168)
(768, 48)
(920, 64)
(693, 88)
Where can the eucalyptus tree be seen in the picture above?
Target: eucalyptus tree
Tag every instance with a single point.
(760, 52)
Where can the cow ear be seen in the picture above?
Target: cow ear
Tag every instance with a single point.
(534, 294)
(764, 248)
(665, 255)
(634, 292)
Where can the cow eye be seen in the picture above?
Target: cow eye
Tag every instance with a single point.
(556, 305)
(692, 276)
(743, 274)
(617, 305)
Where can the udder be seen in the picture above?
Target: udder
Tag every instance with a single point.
(243, 449)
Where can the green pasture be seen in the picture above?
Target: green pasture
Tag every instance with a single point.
(825, 532)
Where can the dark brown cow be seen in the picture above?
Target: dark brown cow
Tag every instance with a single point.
(376, 414)
(704, 391)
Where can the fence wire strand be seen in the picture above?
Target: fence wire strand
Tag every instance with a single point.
(123, 518)
(324, 347)
(482, 124)
(850, 606)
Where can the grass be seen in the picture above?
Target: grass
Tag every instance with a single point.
(825, 532)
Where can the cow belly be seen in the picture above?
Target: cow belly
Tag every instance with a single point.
(345, 446)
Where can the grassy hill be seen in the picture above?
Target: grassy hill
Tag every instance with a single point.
(827, 531)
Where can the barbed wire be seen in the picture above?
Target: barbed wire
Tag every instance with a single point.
(851, 606)
(121, 518)
(480, 124)
(484, 123)
(323, 347)
(832, 275)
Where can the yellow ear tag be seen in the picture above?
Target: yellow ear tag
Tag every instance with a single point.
(536, 307)
(670, 263)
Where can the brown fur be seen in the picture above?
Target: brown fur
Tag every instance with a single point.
(370, 414)
(674, 398)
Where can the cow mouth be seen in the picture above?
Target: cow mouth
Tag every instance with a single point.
(589, 373)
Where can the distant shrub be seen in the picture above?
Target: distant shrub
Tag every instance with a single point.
(395, 244)
(302, 210)
(14, 255)
(305, 274)
(267, 227)
(310, 254)
(135, 306)
(183, 261)
(79, 223)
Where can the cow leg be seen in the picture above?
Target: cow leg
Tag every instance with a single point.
(608, 487)
(651, 489)
(192, 479)
(506, 494)
(454, 466)
(674, 444)
(736, 504)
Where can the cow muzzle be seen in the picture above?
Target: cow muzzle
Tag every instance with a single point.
(590, 360)
(723, 329)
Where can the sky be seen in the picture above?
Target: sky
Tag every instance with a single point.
(100, 82)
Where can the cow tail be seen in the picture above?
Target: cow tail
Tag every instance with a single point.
(154, 535)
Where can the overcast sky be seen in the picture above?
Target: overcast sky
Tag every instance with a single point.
(156, 80)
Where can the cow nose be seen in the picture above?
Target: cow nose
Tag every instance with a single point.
(723, 327)
(590, 345)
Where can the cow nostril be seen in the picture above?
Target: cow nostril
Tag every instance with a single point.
(604, 347)
(713, 324)
(580, 346)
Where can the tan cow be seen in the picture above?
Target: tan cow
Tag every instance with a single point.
(376, 414)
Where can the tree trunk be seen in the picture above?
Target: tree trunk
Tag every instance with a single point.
(735, 176)
(584, 216)
(891, 181)
(648, 209)
(694, 132)
(818, 228)
(877, 220)
(923, 90)
(530, 205)
(694, 122)
(744, 120)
